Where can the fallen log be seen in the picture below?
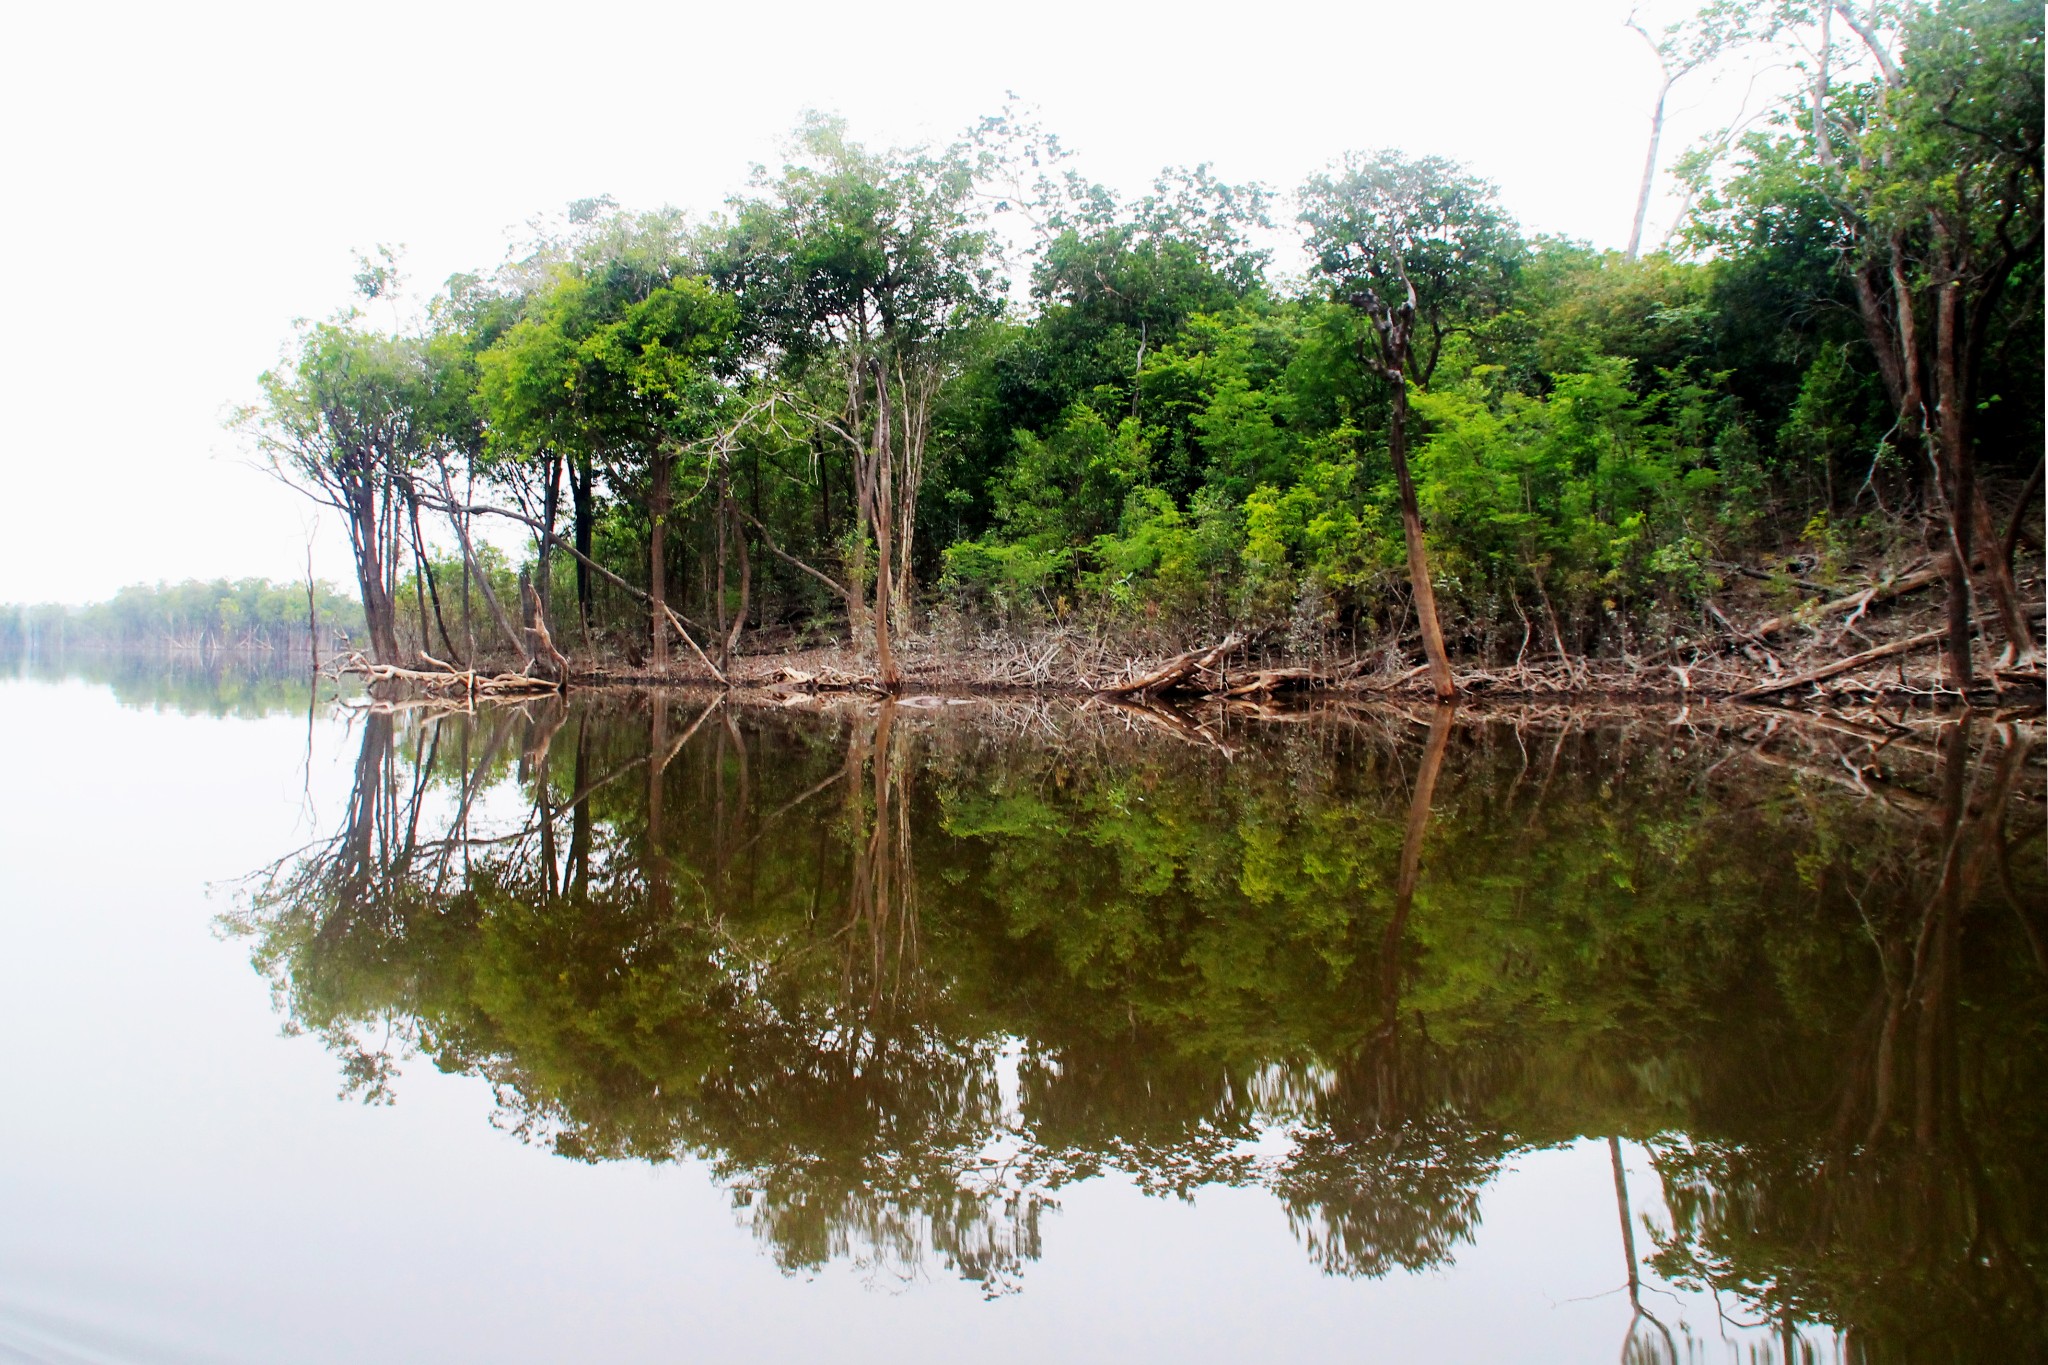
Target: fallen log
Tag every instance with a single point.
(1175, 670)
(1855, 602)
(1399, 680)
(1268, 680)
(1848, 665)
(1765, 575)
(447, 682)
(823, 680)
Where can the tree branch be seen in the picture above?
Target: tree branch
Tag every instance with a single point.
(1893, 77)
(787, 558)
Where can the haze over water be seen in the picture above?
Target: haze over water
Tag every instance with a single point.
(647, 1026)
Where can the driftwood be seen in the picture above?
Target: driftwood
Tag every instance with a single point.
(823, 680)
(1175, 671)
(1269, 680)
(1850, 664)
(449, 679)
(1855, 603)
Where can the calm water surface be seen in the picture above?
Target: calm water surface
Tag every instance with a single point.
(649, 1029)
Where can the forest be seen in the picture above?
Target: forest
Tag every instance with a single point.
(891, 403)
(250, 616)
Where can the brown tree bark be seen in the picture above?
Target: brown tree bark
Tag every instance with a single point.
(1395, 328)
(657, 563)
(880, 489)
(379, 615)
(1418, 552)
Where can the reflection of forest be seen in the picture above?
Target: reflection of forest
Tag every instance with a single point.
(901, 973)
(241, 683)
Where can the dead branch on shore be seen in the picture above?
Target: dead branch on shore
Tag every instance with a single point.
(1848, 665)
(822, 680)
(1175, 671)
(450, 681)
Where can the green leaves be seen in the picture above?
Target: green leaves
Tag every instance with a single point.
(1385, 225)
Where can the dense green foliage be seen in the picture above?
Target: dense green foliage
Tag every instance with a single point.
(810, 949)
(831, 394)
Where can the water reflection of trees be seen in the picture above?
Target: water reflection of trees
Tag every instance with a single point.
(1912, 1206)
(246, 685)
(900, 978)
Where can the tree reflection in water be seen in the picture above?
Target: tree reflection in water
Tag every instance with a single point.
(899, 974)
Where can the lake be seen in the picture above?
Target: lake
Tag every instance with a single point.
(654, 1026)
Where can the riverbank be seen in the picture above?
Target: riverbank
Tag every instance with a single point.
(1880, 641)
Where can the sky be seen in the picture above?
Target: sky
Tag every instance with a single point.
(178, 184)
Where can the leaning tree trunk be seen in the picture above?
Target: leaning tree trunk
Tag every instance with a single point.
(1635, 235)
(1418, 552)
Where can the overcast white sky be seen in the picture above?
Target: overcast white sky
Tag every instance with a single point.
(181, 182)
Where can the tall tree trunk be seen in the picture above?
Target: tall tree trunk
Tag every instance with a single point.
(1958, 478)
(312, 610)
(580, 496)
(657, 563)
(1418, 552)
(367, 532)
(425, 567)
(1635, 235)
(880, 514)
(724, 521)
(550, 512)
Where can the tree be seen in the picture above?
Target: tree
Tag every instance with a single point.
(466, 318)
(340, 422)
(1917, 143)
(607, 355)
(657, 392)
(1681, 50)
(860, 271)
(1411, 243)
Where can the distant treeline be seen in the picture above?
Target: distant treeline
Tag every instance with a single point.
(250, 614)
(828, 406)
